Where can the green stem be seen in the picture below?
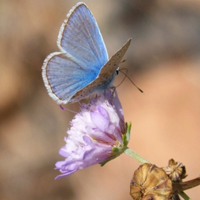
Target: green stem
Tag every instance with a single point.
(136, 156)
(185, 196)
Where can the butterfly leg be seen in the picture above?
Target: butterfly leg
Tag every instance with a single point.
(113, 88)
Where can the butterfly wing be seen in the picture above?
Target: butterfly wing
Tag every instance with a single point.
(106, 75)
(83, 53)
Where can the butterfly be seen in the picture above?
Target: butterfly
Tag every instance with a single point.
(82, 66)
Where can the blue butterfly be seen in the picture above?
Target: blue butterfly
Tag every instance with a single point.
(82, 66)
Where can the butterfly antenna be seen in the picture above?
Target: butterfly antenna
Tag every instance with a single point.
(126, 76)
(123, 78)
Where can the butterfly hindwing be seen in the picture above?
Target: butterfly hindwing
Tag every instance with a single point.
(62, 84)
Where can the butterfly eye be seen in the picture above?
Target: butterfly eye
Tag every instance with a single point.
(117, 71)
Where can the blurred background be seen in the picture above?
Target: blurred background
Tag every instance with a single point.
(163, 60)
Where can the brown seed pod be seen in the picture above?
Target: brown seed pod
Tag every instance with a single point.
(150, 183)
(175, 170)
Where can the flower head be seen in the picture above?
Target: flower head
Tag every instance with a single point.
(96, 135)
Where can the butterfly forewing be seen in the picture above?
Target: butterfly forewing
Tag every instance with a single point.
(105, 77)
(80, 37)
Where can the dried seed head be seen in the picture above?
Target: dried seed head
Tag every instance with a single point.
(150, 183)
(175, 170)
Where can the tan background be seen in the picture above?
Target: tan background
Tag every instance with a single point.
(163, 59)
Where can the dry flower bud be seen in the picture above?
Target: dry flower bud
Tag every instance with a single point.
(175, 170)
(150, 183)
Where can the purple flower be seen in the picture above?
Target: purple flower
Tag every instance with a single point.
(95, 136)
